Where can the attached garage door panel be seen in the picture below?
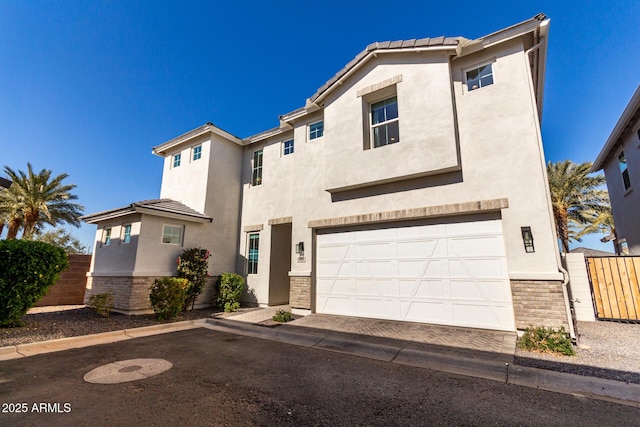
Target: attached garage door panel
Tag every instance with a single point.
(454, 274)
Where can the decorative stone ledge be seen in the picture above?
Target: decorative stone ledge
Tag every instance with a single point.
(381, 85)
(255, 227)
(478, 206)
(282, 220)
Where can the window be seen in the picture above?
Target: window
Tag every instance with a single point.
(479, 77)
(106, 236)
(197, 152)
(288, 147)
(256, 168)
(126, 233)
(172, 234)
(624, 171)
(252, 266)
(176, 160)
(384, 122)
(316, 130)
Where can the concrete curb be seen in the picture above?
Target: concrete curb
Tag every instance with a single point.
(478, 367)
(31, 349)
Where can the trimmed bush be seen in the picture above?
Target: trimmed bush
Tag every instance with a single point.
(229, 287)
(102, 303)
(282, 316)
(168, 296)
(27, 271)
(547, 340)
(193, 266)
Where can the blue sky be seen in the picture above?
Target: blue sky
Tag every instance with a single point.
(88, 87)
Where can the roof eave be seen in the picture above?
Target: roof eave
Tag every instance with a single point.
(162, 149)
(621, 125)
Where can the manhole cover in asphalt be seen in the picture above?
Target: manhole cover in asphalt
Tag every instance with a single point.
(127, 370)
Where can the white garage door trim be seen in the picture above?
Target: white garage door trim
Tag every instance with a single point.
(452, 273)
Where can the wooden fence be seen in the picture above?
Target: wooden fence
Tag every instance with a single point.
(615, 286)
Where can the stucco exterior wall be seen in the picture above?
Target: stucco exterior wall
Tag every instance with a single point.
(625, 203)
(499, 149)
(117, 258)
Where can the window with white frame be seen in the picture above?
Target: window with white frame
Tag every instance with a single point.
(287, 147)
(256, 168)
(624, 170)
(106, 236)
(479, 77)
(384, 122)
(126, 233)
(316, 130)
(197, 152)
(176, 160)
(172, 234)
(252, 253)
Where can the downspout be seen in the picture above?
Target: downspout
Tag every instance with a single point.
(565, 273)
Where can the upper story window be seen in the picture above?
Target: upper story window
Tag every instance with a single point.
(197, 152)
(172, 234)
(176, 160)
(624, 171)
(126, 233)
(479, 77)
(106, 236)
(316, 130)
(287, 147)
(384, 122)
(256, 168)
(252, 256)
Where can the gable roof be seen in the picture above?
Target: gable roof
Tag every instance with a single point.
(207, 128)
(158, 207)
(629, 116)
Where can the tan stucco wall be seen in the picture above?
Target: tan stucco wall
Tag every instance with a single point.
(499, 148)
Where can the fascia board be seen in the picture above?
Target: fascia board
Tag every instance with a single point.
(502, 36)
(627, 114)
(161, 150)
(105, 216)
(172, 215)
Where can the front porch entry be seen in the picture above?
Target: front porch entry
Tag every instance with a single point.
(280, 264)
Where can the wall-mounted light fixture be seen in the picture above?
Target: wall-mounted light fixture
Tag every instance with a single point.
(527, 238)
(300, 250)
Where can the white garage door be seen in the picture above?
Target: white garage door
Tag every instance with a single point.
(452, 274)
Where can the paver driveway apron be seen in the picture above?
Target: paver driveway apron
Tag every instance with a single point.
(451, 272)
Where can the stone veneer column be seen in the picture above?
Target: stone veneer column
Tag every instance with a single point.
(300, 292)
(538, 303)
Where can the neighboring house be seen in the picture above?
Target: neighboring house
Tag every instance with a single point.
(5, 183)
(411, 186)
(620, 159)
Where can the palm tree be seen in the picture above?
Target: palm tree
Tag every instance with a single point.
(577, 198)
(36, 199)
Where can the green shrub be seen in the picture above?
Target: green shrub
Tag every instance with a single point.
(167, 296)
(547, 340)
(193, 266)
(229, 287)
(282, 316)
(102, 303)
(27, 271)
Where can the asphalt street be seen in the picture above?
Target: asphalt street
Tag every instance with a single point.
(226, 379)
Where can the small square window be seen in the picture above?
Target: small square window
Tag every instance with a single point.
(126, 233)
(252, 256)
(197, 152)
(624, 170)
(176, 160)
(256, 168)
(316, 130)
(288, 147)
(479, 77)
(106, 236)
(172, 235)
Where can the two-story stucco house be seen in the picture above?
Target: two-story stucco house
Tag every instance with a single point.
(620, 159)
(411, 186)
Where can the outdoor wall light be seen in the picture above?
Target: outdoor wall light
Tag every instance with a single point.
(300, 249)
(527, 238)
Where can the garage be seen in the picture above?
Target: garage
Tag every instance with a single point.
(450, 273)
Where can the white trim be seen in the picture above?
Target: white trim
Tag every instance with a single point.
(182, 229)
